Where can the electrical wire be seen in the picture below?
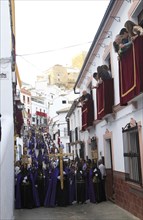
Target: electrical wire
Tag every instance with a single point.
(52, 50)
(31, 63)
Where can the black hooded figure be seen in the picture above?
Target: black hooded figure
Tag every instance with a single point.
(62, 195)
(80, 185)
(97, 183)
(40, 183)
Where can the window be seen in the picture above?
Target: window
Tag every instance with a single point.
(54, 137)
(33, 119)
(64, 101)
(132, 154)
(28, 100)
(76, 133)
(24, 98)
(28, 111)
(69, 148)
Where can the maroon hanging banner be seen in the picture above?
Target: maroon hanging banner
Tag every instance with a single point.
(87, 114)
(105, 98)
(131, 71)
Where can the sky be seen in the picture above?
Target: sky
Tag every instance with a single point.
(53, 32)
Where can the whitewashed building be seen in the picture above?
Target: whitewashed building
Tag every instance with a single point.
(7, 82)
(62, 128)
(25, 97)
(116, 133)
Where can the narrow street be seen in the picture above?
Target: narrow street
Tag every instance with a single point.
(89, 211)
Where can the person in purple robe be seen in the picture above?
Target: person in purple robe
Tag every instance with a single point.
(50, 199)
(26, 192)
(91, 187)
(40, 184)
(72, 189)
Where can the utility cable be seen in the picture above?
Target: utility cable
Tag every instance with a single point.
(52, 50)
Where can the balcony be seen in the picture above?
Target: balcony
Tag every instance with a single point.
(105, 98)
(41, 114)
(87, 114)
(131, 72)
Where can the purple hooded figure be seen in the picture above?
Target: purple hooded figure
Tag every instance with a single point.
(50, 199)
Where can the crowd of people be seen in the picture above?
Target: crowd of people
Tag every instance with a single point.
(38, 176)
(126, 36)
(121, 44)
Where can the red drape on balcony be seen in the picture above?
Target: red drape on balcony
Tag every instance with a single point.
(41, 114)
(87, 114)
(105, 98)
(131, 72)
(139, 59)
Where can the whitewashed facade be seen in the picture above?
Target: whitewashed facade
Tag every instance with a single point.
(6, 110)
(108, 130)
(62, 127)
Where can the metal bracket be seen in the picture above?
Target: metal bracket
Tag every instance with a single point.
(116, 18)
(109, 33)
(104, 38)
(93, 64)
(97, 55)
(102, 45)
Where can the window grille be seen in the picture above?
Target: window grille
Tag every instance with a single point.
(132, 154)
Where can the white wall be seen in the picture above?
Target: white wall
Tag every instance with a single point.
(6, 110)
(63, 124)
(123, 116)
